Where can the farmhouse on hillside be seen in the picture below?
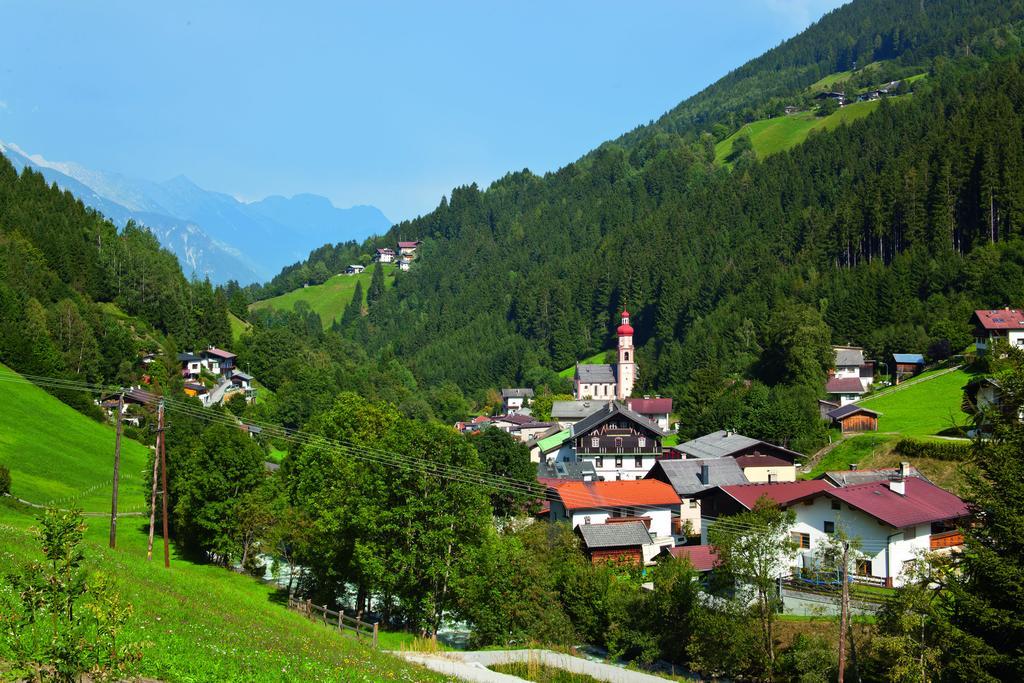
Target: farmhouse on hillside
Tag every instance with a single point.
(516, 398)
(408, 249)
(906, 365)
(605, 381)
(1001, 324)
(354, 269)
(385, 255)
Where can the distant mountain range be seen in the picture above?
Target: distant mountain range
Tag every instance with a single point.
(213, 234)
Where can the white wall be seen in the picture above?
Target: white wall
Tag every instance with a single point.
(904, 544)
(760, 474)
(661, 518)
(628, 471)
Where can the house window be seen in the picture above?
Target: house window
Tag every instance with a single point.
(638, 461)
(642, 442)
(599, 461)
(693, 503)
(836, 505)
(830, 527)
(863, 568)
(586, 519)
(618, 460)
(595, 442)
(803, 541)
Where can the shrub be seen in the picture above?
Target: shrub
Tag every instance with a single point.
(5, 481)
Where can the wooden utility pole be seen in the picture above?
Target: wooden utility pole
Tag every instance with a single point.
(156, 467)
(844, 609)
(163, 484)
(117, 469)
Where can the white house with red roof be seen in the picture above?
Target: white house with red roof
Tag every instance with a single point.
(845, 390)
(408, 248)
(894, 521)
(598, 502)
(604, 381)
(1001, 324)
(658, 410)
(385, 255)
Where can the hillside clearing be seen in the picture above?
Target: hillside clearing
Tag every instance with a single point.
(238, 326)
(778, 134)
(597, 359)
(329, 299)
(926, 408)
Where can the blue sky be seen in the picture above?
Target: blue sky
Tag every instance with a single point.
(384, 103)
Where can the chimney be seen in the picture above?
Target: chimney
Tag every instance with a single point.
(898, 484)
(705, 474)
(853, 467)
(904, 470)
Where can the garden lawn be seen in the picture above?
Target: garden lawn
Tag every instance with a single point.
(56, 454)
(925, 408)
(329, 299)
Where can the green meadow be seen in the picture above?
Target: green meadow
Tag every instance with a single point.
(329, 299)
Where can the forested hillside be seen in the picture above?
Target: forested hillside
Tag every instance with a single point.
(81, 300)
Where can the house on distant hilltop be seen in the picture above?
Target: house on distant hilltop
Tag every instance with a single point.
(516, 398)
(605, 381)
(354, 269)
(1001, 324)
(385, 255)
(408, 249)
(759, 460)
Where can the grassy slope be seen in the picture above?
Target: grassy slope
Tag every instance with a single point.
(57, 454)
(238, 326)
(199, 622)
(924, 409)
(783, 132)
(328, 299)
(597, 359)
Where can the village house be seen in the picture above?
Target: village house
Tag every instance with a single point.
(354, 269)
(530, 431)
(218, 361)
(759, 460)
(727, 500)
(191, 365)
(854, 418)
(850, 363)
(619, 543)
(385, 255)
(702, 558)
(1001, 324)
(605, 381)
(408, 249)
(509, 423)
(906, 365)
(619, 443)
(568, 413)
(658, 410)
(649, 501)
(515, 399)
(895, 521)
(845, 390)
(688, 478)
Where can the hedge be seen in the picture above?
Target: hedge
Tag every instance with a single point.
(931, 449)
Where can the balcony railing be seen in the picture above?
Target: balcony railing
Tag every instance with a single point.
(947, 539)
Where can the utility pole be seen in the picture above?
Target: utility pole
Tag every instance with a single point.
(844, 609)
(163, 484)
(156, 466)
(117, 469)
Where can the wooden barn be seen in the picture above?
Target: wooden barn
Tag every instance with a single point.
(619, 543)
(907, 365)
(854, 418)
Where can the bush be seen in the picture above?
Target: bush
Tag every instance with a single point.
(5, 481)
(929, 449)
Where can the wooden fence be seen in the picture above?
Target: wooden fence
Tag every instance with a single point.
(334, 619)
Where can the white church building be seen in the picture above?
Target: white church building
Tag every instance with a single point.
(609, 382)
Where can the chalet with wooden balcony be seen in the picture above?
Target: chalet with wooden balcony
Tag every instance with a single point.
(620, 443)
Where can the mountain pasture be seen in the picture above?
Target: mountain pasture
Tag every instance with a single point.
(329, 299)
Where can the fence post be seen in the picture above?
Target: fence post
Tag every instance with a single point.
(339, 619)
(309, 608)
(375, 635)
(325, 614)
(359, 625)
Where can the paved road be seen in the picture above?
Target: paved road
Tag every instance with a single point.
(217, 394)
(471, 666)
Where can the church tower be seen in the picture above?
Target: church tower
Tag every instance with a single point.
(626, 371)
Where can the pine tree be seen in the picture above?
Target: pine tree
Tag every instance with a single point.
(376, 290)
(355, 307)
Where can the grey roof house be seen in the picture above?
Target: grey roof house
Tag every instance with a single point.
(688, 477)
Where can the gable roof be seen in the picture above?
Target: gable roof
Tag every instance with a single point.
(844, 385)
(219, 353)
(760, 460)
(517, 392)
(242, 375)
(555, 441)
(650, 406)
(513, 418)
(574, 409)
(921, 503)
(855, 477)
(409, 245)
(188, 358)
(595, 373)
(702, 557)
(781, 493)
(850, 409)
(684, 475)
(909, 358)
(1000, 319)
(611, 410)
(386, 250)
(582, 470)
(619, 535)
(849, 355)
(587, 495)
(723, 443)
